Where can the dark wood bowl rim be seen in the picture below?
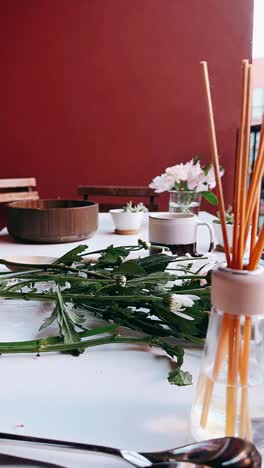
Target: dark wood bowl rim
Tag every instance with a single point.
(23, 204)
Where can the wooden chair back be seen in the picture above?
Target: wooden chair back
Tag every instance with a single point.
(134, 194)
(18, 189)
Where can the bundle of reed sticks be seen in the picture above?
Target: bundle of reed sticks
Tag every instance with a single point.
(232, 344)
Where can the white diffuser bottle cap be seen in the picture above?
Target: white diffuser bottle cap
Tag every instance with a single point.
(238, 291)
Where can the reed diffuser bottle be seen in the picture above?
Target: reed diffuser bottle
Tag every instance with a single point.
(230, 391)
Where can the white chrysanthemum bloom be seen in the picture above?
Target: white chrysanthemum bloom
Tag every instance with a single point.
(90, 259)
(162, 183)
(196, 178)
(179, 172)
(82, 274)
(210, 178)
(179, 302)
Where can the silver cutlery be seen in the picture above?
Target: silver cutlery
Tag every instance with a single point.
(228, 452)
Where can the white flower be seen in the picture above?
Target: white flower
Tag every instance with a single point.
(90, 259)
(201, 188)
(210, 178)
(190, 174)
(196, 178)
(179, 302)
(162, 183)
(179, 172)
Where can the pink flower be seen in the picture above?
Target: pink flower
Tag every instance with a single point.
(179, 172)
(162, 183)
(188, 176)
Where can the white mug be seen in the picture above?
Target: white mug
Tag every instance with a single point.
(177, 231)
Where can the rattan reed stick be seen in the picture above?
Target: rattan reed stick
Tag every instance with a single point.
(215, 159)
(257, 252)
(244, 403)
(239, 164)
(219, 359)
(255, 220)
(232, 380)
(244, 172)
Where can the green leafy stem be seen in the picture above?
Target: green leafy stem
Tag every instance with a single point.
(114, 289)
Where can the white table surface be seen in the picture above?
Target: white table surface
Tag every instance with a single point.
(114, 395)
(104, 236)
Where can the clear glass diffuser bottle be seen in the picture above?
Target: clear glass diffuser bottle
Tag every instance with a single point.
(230, 392)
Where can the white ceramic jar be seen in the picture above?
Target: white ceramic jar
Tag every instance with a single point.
(126, 222)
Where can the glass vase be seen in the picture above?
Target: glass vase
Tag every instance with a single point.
(182, 201)
(229, 397)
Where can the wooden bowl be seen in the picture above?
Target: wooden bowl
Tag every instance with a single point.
(51, 221)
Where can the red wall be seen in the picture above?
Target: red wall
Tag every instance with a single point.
(110, 91)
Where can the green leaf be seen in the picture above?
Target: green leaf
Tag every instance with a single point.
(159, 277)
(73, 256)
(196, 159)
(229, 216)
(112, 255)
(210, 197)
(76, 317)
(157, 262)
(49, 320)
(94, 291)
(79, 287)
(174, 351)
(185, 186)
(130, 208)
(180, 378)
(130, 267)
(65, 322)
(207, 168)
(185, 327)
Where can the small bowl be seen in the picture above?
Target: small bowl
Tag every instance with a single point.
(126, 222)
(51, 221)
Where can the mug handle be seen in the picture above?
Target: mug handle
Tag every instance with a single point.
(211, 232)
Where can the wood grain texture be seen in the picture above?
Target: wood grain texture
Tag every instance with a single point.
(112, 191)
(25, 182)
(116, 191)
(15, 196)
(52, 221)
(18, 189)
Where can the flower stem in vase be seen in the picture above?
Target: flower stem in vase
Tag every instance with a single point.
(182, 201)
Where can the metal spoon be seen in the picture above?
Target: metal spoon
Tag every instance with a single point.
(228, 452)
